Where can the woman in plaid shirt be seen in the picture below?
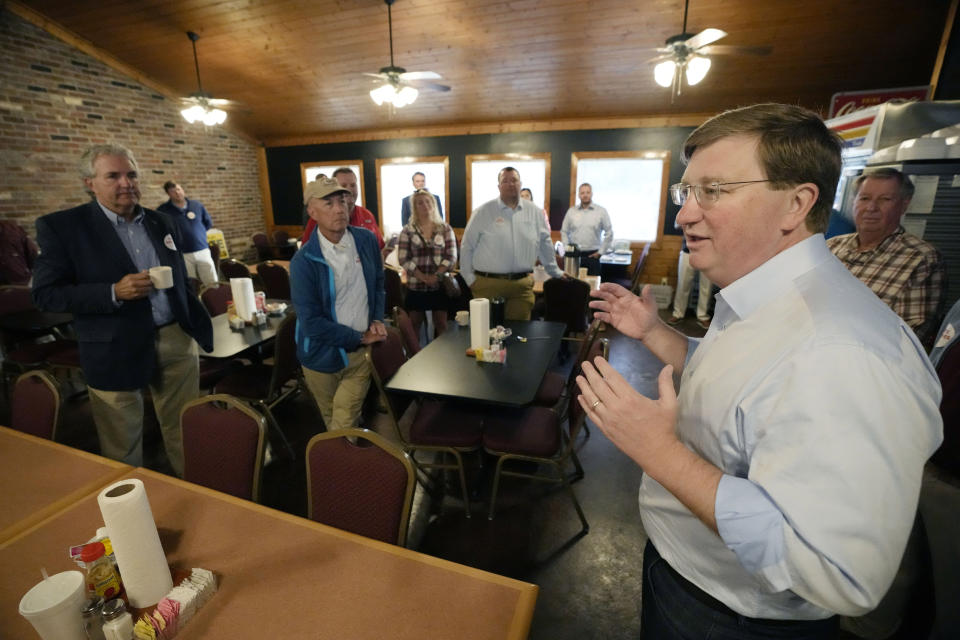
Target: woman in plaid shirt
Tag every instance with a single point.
(427, 250)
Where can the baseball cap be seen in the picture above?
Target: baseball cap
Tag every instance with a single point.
(321, 188)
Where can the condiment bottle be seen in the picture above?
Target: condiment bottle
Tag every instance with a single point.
(117, 621)
(92, 623)
(101, 578)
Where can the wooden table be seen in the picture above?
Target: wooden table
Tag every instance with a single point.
(40, 477)
(442, 368)
(228, 343)
(593, 281)
(34, 321)
(281, 576)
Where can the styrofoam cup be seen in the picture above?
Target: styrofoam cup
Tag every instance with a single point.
(53, 607)
(463, 318)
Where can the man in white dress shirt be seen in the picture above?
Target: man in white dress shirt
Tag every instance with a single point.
(502, 241)
(781, 484)
(588, 226)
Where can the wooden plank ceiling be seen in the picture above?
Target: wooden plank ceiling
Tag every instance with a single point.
(295, 64)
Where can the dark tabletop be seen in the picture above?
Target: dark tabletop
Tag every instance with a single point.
(228, 342)
(443, 369)
(34, 321)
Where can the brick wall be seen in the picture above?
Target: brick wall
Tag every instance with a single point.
(56, 100)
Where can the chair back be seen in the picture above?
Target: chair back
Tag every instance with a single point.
(411, 341)
(461, 303)
(286, 366)
(224, 440)
(638, 269)
(566, 300)
(215, 299)
(393, 286)
(231, 268)
(215, 256)
(386, 358)
(276, 280)
(280, 237)
(14, 298)
(36, 404)
(262, 244)
(360, 482)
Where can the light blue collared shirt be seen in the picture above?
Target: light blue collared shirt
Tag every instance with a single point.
(589, 228)
(135, 240)
(821, 408)
(499, 239)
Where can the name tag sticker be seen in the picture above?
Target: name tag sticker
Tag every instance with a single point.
(191, 215)
(500, 220)
(168, 242)
(948, 334)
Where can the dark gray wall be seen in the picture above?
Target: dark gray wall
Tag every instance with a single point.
(284, 163)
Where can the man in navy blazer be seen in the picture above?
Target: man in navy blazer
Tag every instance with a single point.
(94, 262)
(419, 180)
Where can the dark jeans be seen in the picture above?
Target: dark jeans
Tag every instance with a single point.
(592, 265)
(670, 611)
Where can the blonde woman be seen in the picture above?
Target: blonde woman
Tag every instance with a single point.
(427, 250)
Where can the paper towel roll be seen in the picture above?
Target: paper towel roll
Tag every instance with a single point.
(479, 323)
(136, 543)
(244, 300)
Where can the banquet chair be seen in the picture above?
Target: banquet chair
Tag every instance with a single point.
(23, 351)
(231, 268)
(360, 482)
(224, 443)
(435, 427)
(215, 299)
(36, 404)
(411, 342)
(262, 244)
(265, 386)
(393, 286)
(566, 300)
(555, 385)
(276, 280)
(281, 245)
(461, 303)
(537, 434)
(633, 281)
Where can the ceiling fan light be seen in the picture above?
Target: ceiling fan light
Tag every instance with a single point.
(697, 68)
(193, 114)
(406, 96)
(663, 73)
(383, 93)
(214, 117)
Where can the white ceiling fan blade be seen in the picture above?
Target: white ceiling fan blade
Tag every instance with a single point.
(665, 56)
(382, 76)
(420, 75)
(432, 86)
(732, 49)
(704, 38)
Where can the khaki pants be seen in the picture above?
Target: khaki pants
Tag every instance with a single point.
(119, 414)
(517, 293)
(340, 395)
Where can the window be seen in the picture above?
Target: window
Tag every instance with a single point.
(395, 179)
(310, 170)
(630, 185)
(482, 173)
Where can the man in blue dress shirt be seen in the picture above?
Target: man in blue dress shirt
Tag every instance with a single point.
(94, 263)
(780, 484)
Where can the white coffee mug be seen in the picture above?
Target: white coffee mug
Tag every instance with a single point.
(161, 277)
(463, 318)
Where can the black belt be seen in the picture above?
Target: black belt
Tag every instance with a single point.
(503, 276)
(706, 599)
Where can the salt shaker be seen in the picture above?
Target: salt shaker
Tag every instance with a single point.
(117, 621)
(92, 625)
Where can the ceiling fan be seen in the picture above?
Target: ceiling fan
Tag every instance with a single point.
(401, 87)
(686, 54)
(201, 106)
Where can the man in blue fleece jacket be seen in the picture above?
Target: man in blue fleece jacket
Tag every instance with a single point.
(336, 282)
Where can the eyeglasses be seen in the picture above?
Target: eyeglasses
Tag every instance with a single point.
(706, 194)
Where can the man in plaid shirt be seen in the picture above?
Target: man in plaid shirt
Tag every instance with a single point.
(903, 270)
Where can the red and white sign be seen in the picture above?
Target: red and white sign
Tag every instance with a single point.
(845, 103)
